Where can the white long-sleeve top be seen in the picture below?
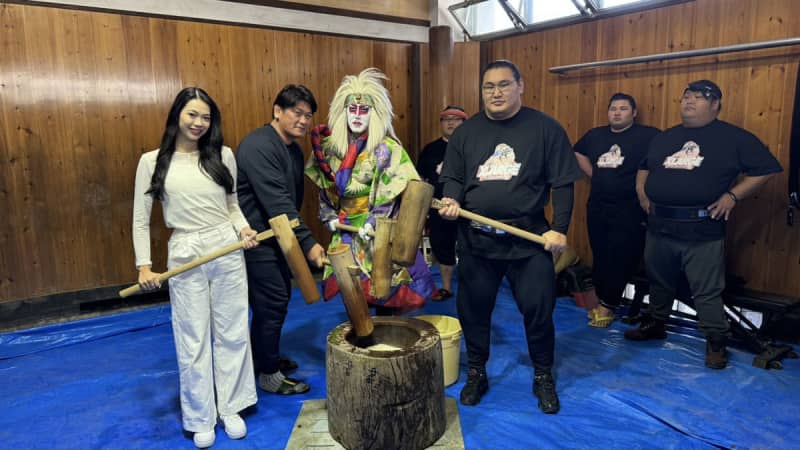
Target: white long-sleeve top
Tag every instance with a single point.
(192, 200)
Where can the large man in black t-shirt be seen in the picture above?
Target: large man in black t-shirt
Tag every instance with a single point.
(610, 156)
(686, 183)
(503, 163)
(442, 233)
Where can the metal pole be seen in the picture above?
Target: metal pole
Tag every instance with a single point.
(676, 55)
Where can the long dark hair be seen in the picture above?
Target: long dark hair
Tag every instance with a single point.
(210, 145)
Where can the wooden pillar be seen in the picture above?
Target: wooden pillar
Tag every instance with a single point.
(441, 55)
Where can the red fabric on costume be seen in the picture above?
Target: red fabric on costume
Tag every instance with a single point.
(403, 298)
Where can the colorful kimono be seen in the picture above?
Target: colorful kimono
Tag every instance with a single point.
(355, 188)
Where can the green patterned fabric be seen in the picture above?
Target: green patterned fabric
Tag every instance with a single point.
(381, 175)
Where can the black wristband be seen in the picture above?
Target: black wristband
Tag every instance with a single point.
(732, 196)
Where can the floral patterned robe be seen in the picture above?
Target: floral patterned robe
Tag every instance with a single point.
(355, 188)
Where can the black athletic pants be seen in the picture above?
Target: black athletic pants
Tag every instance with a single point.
(532, 282)
(269, 287)
(703, 264)
(616, 235)
(443, 238)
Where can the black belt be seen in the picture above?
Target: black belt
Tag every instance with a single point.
(680, 213)
(487, 229)
(523, 223)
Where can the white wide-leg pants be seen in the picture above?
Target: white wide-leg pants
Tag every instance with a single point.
(209, 322)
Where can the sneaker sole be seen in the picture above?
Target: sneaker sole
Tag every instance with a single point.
(236, 436)
(205, 444)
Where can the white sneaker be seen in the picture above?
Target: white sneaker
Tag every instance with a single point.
(234, 426)
(205, 439)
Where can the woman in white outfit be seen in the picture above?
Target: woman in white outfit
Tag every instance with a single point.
(192, 174)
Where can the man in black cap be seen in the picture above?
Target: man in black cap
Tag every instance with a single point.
(686, 184)
(442, 232)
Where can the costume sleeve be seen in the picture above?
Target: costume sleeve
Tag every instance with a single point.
(755, 159)
(394, 170)
(231, 200)
(561, 166)
(267, 173)
(452, 176)
(142, 208)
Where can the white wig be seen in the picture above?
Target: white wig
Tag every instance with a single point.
(366, 88)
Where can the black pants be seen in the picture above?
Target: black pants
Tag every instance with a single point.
(616, 235)
(269, 289)
(703, 264)
(532, 283)
(443, 238)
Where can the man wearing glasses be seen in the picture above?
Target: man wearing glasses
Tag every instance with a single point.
(503, 164)
(442, 232)
(270, 183)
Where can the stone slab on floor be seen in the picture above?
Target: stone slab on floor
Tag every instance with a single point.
(310, 430)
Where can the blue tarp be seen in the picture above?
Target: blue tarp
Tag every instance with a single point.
(112, 382)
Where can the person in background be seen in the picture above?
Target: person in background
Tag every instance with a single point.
(442, 233)
(610, 157)
(689, 184)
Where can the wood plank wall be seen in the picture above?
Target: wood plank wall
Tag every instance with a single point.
(84, 94)
(758, 93)
(464, 71)
(406, 9)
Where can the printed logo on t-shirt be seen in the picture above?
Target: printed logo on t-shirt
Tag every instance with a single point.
(687, 158)
(500, 166)
(611, 159)
(439, 168)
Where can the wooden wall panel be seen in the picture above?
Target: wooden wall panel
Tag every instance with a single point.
(464, 70)
(84, 94)
(408, 9)
(758, 92)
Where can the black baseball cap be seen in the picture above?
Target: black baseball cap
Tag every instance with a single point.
(709, 89)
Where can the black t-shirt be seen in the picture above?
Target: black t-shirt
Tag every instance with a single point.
(615, 159)
(693, 167)
(429, 165)
(504, 169)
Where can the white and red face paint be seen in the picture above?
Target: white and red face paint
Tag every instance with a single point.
(358, 117)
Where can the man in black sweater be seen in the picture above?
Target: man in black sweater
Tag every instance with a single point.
(270, 183)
